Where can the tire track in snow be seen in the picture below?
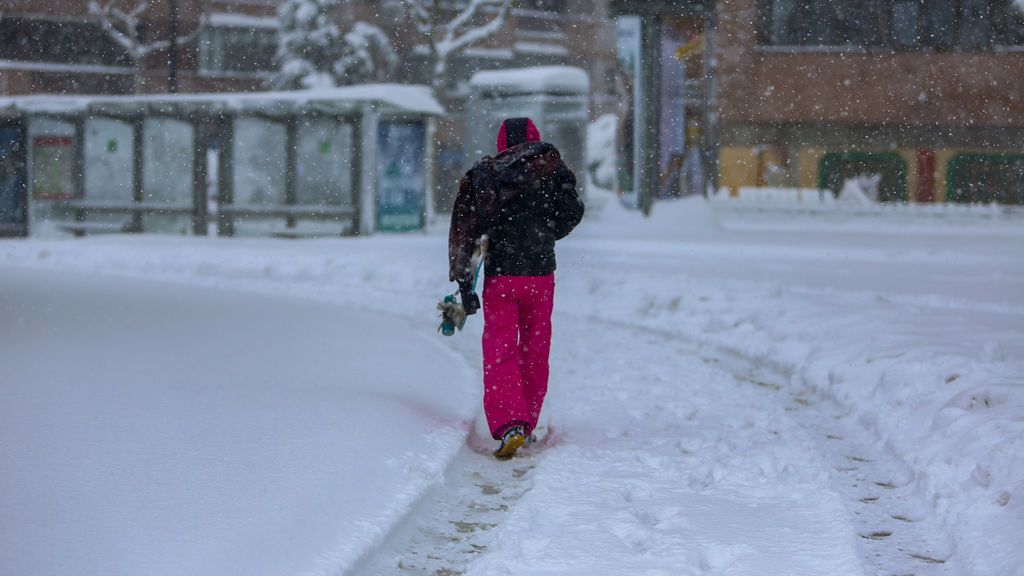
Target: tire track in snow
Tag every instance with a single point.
(898, 534)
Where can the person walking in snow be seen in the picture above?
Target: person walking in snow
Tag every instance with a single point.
(513, 207)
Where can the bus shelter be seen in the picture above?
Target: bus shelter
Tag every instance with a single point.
(556, 98)
(341, 161)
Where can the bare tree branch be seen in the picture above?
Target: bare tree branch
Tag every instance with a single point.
(124, 28)
(446, 40)
(453, 43)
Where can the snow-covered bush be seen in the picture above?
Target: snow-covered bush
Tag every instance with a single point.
(309, 43)
(367, 56)
(601, 151)
(861, 189)
(313, 52)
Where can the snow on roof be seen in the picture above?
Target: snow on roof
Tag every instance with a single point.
(231, 20)
(564, 79)
(387, 97)
(543, 48)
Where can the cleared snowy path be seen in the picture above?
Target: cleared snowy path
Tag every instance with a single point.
(152, 428)
(660, 463)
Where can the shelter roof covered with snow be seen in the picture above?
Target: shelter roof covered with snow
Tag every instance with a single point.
(538, 79)
(385, 98)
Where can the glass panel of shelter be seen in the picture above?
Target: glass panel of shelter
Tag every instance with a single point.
(168, 156)
(259, 172)
(109, 169)
(322, 180)
(323, 171)
(324, 163)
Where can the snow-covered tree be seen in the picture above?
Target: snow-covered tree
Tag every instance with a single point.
(313, 52)
(473, 22)
(367, 56)
(309, 43)
(124, 25)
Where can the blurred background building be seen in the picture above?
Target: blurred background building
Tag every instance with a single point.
(61, 47)
(928, 95)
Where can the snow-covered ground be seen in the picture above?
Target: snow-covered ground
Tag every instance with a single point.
(742, 393)
(150, 428)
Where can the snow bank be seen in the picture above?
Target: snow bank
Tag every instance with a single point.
(160, 429)
(684, 218)
(914, 333)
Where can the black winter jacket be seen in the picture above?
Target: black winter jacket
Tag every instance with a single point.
(523, 199)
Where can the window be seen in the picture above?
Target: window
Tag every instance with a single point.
(542, 5)
(237, 50)
(820, 23)
(1013, 24)
(941, 24)
(975, 24)
(986, 178)
(784, 24)
(905, 22)
(938, 19)
(938, 25)
(65, 43)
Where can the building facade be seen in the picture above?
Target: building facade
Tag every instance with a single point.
(59, 46)
(929, 95)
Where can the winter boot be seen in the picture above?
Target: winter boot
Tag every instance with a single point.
(510, 443)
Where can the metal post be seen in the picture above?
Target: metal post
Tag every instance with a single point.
(369, 121)
(648, 111)
(711, 138)
(429, 155)
(22, 163)
(226, 175)
(172, 54)
(138, 170)
(355, 168)
(200, 148)
(291, 172)
(79, 175)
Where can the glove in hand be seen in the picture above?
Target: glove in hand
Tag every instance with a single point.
(470, 301)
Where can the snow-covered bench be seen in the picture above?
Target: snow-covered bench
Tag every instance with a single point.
(83, 228)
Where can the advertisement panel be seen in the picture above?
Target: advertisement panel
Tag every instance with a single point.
(12, 179)
(401, 176)
(53, 167)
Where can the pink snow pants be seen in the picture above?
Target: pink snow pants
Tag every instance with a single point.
(517, 340)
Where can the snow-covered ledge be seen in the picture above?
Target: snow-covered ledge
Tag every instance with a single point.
(393, 98)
